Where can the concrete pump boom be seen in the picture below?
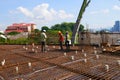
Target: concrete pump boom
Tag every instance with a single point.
(77, 24)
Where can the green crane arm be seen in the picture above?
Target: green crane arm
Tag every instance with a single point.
(77, 24)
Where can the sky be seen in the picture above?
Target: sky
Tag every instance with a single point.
(98, 15)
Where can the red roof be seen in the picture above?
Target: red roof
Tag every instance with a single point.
(22, 24)
(18, 27)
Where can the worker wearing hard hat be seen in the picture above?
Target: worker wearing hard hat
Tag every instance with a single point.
(61, 39)
(67, 41)
(43, 40)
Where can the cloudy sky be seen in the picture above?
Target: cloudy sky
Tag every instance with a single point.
(99, 14)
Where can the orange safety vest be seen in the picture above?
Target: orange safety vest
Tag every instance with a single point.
(61, 38)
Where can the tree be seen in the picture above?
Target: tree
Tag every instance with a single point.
(36, 30)
(45, 28)
(81, 27)
(63, 27)
(13, 33)
(56, 27)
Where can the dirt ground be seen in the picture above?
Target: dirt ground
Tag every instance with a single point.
(27, 62)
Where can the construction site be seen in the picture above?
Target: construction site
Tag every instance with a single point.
(26, 62)
(94, 57)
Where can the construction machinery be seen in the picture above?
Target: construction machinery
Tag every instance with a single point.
(77, 24)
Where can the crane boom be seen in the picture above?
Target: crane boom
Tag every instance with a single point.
(77, 24)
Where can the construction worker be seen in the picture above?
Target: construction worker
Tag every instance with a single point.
(61, 39)
(43, 40)
(67, 41)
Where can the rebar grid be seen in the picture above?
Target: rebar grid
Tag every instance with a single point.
(44, 64)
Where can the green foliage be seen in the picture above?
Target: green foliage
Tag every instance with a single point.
(52, 34)
(18, 41)
(81, 27)
(63, 27)
(45, 28)
(56, 27)
(2, 40)
(34, 38)
(66, 27)
(1, 33)
(52, 37)
(13, 33)
(36, 30)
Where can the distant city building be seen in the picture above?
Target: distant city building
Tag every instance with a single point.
(116, 27)
(21, 27)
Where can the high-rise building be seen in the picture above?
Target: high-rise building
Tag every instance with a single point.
(116, 27)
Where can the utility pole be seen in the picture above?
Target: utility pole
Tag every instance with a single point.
(77, 24)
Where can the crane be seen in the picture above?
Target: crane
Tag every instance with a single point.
(77, 24)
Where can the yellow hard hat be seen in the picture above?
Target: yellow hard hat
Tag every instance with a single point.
(59, 31)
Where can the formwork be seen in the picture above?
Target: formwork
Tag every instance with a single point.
(27, 62)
